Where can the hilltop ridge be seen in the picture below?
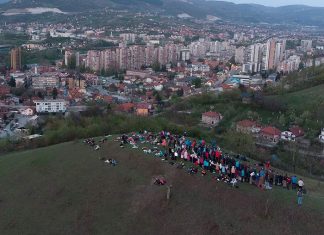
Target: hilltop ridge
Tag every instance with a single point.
(227, 11)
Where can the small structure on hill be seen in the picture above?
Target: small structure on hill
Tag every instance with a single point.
(293, 133)
(211, 118)
(248, 127)
(143, 109)
(288, 136)
(321, 136)
(270, 134)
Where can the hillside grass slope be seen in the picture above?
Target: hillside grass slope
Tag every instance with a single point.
(66, 189)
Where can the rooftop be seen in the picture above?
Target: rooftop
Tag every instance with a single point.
(212, 114)
(271, 131)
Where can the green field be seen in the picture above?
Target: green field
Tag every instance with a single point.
(66, 189)
(307, 99)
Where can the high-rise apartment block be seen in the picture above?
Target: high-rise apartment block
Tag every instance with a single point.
(132, 57)
(15, 59)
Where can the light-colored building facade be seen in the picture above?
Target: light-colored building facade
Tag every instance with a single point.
(50, 106)
(211, 118)
(43, 82)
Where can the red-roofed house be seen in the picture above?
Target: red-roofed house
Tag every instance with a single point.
(126, 107)
(248, 126)
(108, 99)
(270, 134)
(74, 94)
(297, 131)
(143, 109)
(211, 118)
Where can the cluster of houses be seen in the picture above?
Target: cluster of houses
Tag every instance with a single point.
(265, 134)
(269, 134)
(140, 109)
(13, 121)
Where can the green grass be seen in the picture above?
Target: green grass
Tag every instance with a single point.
(65, 189)
(305, 99)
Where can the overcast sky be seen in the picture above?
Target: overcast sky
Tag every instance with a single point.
(317, 3)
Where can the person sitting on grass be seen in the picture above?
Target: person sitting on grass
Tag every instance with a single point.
(234, 182)
(180, 165)
(113, 162)
(192, 170)
(160, 181)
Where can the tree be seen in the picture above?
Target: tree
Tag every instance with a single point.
(40, 95)
(156, 66)
(72, 62)
(158, 97)
(163, 68)
(197, 82)
(12, 82)
(171, 76)
(54, 93)
(282, 120)
(301, 66)
(180, 92)
(242, 143)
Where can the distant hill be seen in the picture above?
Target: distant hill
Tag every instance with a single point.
(249, 13)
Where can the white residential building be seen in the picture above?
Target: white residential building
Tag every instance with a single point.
(321, 136)
(185, 54)
(198, 68)
(128, 37)
(306, 45)
(291, 64)
(50, 106)
(27, 112)
(288, 135)
(43, 82)
(239, 55)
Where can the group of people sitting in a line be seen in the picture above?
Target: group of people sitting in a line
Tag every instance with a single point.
(92, 143)
(209, 158)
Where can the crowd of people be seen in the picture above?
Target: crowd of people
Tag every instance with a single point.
(209, 158)
(205, 159)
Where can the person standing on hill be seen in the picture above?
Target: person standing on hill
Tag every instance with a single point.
(300, 197)
(300, 184)
(288, 179)
(294, 182)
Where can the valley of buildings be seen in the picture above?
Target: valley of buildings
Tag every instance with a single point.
(145, 60)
